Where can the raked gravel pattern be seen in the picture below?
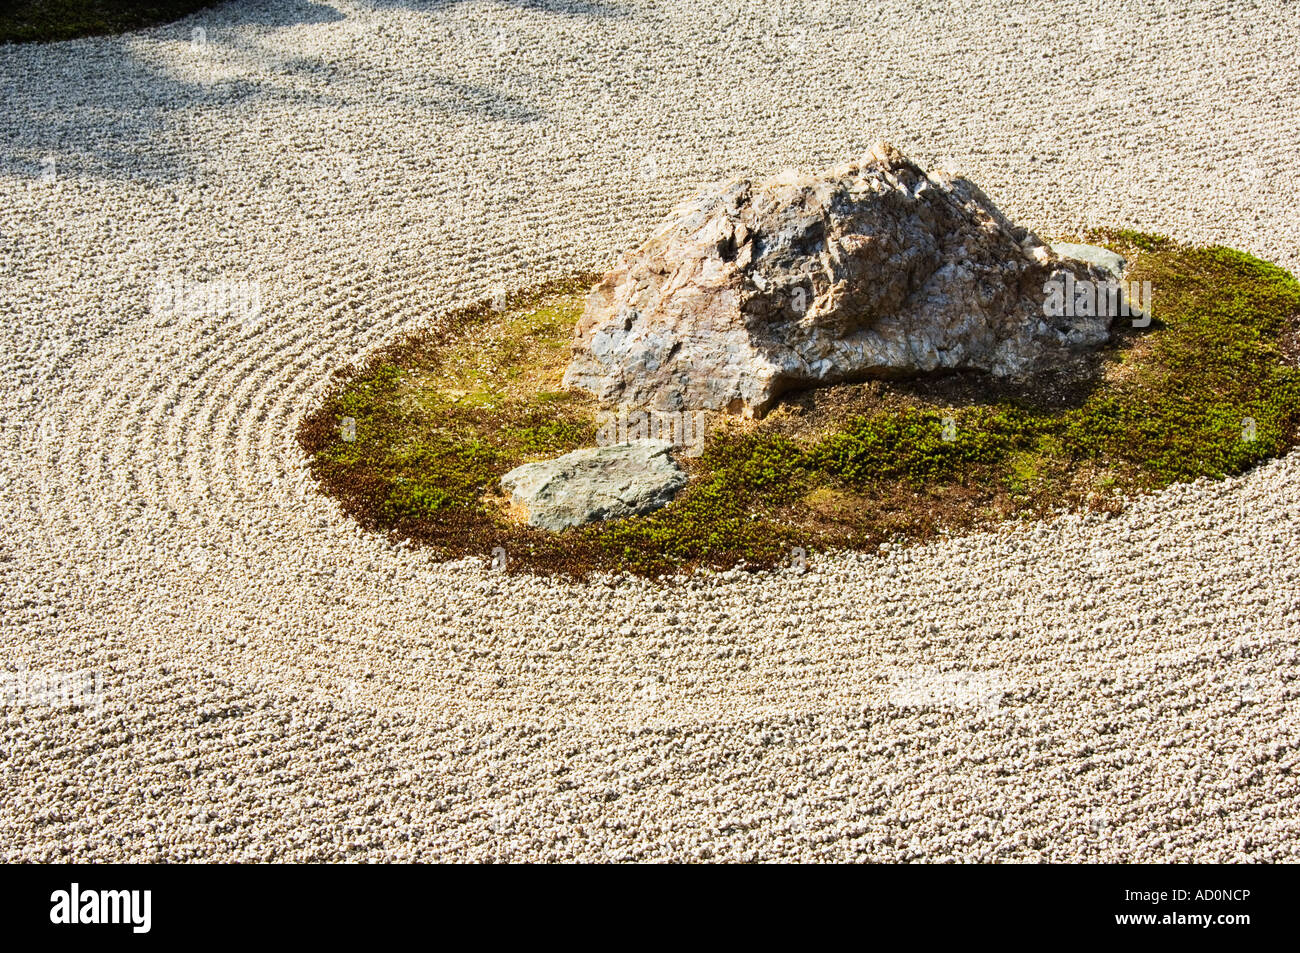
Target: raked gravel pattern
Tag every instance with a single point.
(318, 176)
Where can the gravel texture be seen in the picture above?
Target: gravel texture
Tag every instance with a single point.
(277, 685)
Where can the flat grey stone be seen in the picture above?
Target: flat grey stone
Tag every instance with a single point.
(600, 483)
(1093, 255)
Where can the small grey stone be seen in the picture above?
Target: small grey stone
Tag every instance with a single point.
(599, 483)
(1092, 254)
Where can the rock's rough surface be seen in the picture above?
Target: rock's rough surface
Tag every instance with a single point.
(596, 484)
(875, 268)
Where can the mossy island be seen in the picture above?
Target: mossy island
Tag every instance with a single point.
(414, 443)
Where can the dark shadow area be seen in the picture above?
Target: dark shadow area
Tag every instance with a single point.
(1066, 386)
(274, 13)
(42, 21)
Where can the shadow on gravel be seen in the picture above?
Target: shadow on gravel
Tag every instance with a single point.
(141, 106)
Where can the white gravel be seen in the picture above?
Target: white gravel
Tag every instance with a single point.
(276, 685)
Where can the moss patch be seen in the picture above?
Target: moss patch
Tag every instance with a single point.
(414, 442)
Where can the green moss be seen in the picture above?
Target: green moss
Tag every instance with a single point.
(1124, 239)
(1204, 392)
(922, 446)
(546, 437)
(434, 476)
(1024, 470)
(1213, 367)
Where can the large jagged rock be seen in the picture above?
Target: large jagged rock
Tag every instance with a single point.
(874, 268)
(599, 483)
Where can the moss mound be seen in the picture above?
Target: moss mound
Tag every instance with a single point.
(414, 442)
